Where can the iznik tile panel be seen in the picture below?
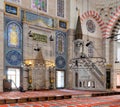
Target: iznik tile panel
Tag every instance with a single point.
(34, 17)
(61, 50)
(13, 34)
(60, 62)
(14, 57)
(13, 42)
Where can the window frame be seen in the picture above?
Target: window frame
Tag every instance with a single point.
(64, 9)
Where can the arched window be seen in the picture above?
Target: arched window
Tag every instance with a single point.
(84, 84)
(76, 79)
(80, 84)
(89, 84)
(93, 84)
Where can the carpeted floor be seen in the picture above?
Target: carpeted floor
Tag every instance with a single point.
(101, 101)
(27, 94)
(106, 101)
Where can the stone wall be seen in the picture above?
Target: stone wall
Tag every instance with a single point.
(2, 50)
(70, 55)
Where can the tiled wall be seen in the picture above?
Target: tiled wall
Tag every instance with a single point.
(61, 50)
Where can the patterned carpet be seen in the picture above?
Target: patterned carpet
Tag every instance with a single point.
(103, 101)
(17, 94)
(106, 101)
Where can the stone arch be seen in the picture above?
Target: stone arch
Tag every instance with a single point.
(109, 26)
(95, 16)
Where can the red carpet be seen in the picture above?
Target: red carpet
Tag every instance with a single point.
(104, 101)
(28, 94)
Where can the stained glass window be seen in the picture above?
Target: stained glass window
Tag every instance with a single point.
(14, 1)
(60, 8)
(13, 35)
(39, 4)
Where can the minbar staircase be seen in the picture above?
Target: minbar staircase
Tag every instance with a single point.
(89, 75)
(94, 70)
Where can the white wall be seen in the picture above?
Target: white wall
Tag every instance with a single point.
(1, 4)
(83, 5)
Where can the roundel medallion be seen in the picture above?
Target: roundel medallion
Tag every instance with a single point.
(60, 62)
(90, 26)
(13, 57)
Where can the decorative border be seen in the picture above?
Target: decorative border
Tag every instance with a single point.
(12, 5)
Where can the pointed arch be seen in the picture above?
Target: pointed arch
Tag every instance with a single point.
(95, 16)
(109, 26)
